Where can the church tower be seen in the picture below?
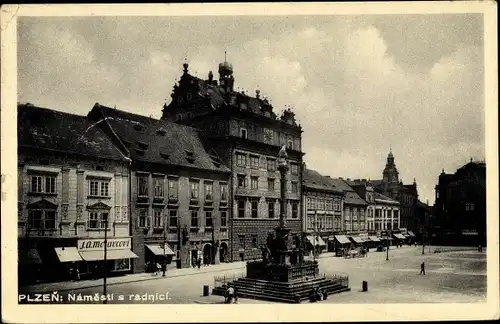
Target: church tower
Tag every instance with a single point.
(390, 174)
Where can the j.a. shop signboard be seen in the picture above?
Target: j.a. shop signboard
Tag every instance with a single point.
(98, 244)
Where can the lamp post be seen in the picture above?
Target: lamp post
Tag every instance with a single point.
(105, 301)
(387, 245)
(423, 241)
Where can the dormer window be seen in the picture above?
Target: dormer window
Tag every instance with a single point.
(243, 133)
(190, 153)
(160, 131)
(189, 96)
(164, 155)
(138, 127)
(142, 145)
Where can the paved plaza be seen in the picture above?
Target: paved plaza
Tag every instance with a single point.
(451, 276)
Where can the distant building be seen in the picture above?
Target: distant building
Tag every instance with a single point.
(392, 187)
(72, 180)
(179, 189)
(323, 204)
(460, 206)
(354, 213)
(247, 135)
(382, 211)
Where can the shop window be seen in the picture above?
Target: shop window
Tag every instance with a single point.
(122, 265)
(209, 189)
(223, 218)
(143, 186)
(158, 187)
(42, 219)
(241, 208)
(43, 184)
(255, 205)
(270, 208)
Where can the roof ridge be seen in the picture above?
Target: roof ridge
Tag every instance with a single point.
(29, 105)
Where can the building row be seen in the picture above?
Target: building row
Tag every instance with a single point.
(199, 183)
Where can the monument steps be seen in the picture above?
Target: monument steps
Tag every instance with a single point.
(287, 292)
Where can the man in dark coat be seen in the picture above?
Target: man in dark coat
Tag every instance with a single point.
(422, 268)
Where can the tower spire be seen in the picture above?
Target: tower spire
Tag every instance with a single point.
(225, 56)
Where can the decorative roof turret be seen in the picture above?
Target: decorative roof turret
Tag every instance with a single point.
(288, 116)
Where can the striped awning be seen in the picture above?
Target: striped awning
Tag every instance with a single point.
(357, 239)
(316, 240)
(160, 250)
(342, 239)
(400, 236)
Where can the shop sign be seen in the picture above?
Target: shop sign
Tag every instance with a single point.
(98, 244)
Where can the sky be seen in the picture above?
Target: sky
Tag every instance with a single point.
(359, 85)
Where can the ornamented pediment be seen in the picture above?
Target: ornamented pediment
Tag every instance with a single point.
(99, 205)
(42, 204)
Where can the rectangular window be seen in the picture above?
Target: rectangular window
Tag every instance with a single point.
(270, 208)
(209, 191)
(194, 190)
(295, 210)
(254, 182)
(94, 188)
(208, 219)
(308, 203)
(159, 187)
(322, 204)
(43, 184)
(254, 162)
(172, 189)
(241, 239)
(42, 219)
(255, 205)
(194, 218)
(254, 241)
(143, 185)
(270, 184)
(99, 188)
(289, 144)
(294, 168)
(143, 215)
(223, 192)
(223, 218)
(97, 219)
(241, 159)
(104, 189)
(241, 208)
(295, 187)
(242, 181)
(271, 165)
(173, 220)
(158, 219)
(36, 219)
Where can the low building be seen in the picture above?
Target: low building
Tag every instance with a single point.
(179, 190)
(354, 209)
(73, 193)
(323, 203)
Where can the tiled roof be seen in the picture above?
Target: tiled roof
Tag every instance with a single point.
(314, 180)
(377, 195)
(351, 197)
(160, 141)
(54, 130)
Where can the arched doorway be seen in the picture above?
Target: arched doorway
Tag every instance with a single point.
(207, 254)
(223, 252)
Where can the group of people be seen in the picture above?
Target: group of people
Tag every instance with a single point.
(157, 268)
(230, 296)
(318, 294)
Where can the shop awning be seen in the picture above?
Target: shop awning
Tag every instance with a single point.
(110, 255)
(342, 239)
(399, 236)
(411, 233)
(316, 240)
(365, 238)
(374, 239)
(158, 249)
(27, 257)
(357, 239)
(68, 254)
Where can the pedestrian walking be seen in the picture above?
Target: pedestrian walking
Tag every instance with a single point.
(422, 268)
(199, 263)
(77, 274)
(164, 268)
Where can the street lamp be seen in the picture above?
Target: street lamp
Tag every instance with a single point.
(387, 245)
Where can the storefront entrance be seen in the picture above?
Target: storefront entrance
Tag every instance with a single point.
(223, 250)
(207, 254)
